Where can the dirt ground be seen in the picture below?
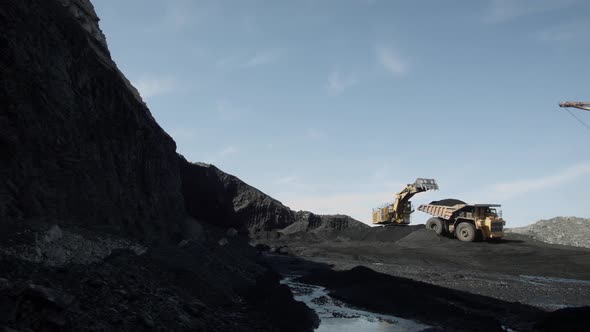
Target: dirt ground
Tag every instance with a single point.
(517, 269)
(519, 283)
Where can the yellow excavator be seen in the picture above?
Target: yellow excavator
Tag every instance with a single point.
(398, 212)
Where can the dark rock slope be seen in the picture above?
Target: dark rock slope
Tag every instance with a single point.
(77, 144)
(94, 232)
(220, 198)
(308, 222)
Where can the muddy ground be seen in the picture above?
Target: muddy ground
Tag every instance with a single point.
(518, 279)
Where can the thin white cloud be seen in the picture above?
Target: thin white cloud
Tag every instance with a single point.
(185, 14)
(561, 33)
(226, 62)
(228, 111)
(293, 183)
(262, 57)
(520, 187)
(338, 82)
(179, 18)
(506, 10)
(227, 151)
(314, 133)
(152, 86)
(249, 59)
(222, 154)
(356, 205)
(289, 179)
(183, 134)
(392, 61)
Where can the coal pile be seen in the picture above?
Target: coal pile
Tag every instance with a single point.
(322, 227)
(567, 231)
(197, 285)
(422, 238)
(447, 202)
(223, 199)
(220, 198)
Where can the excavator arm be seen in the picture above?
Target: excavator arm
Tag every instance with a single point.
(398, 213)
(403, 197)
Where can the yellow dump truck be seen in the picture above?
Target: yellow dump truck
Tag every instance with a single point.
(398, 212)
(467, 222)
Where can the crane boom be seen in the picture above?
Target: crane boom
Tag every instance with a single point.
(576, 104)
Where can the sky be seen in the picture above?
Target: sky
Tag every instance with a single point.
(333, 106)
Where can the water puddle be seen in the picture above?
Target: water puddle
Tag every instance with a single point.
(541, 280)
(547, 300)
(337, 317)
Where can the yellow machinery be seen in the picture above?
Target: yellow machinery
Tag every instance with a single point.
(467, 222)
(398, 213)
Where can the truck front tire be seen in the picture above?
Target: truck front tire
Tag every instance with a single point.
(436, 225)
(465, 232)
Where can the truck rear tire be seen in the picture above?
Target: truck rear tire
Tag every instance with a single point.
(436, 225)
(465, 232)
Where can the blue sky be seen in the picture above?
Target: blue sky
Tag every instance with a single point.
(332, 106)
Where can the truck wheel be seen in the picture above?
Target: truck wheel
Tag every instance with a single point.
(465, 232)
(436, 225)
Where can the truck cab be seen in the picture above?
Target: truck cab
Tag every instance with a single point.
(488, 222)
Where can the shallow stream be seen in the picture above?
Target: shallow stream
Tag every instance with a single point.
(337, 317)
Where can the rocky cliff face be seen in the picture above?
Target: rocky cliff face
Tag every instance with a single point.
(222, 199)
(568, 231)
(77, 144)
(94, 232)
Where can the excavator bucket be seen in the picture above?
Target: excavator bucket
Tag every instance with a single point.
(426, 184)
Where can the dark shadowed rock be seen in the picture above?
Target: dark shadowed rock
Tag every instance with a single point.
(325, 225)
(94, 232)
(77, 143)
(567, 319)
(290, 315)
(224, 200)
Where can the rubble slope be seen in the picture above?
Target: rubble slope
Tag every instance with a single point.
(220, 198)
(568, 231)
